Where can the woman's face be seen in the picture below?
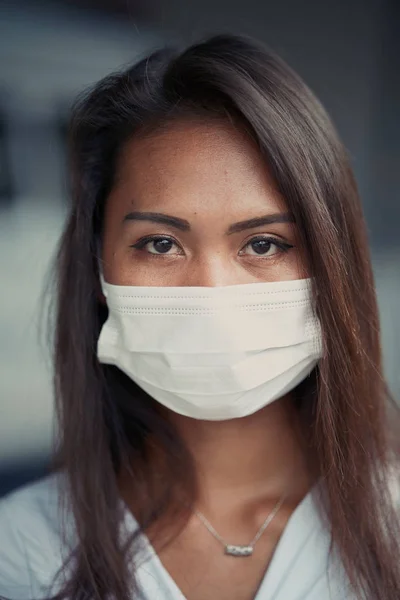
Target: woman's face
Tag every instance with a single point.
(195, 205)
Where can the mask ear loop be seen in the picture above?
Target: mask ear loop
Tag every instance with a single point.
(99, 260)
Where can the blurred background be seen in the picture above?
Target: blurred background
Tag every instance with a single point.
(348, 51)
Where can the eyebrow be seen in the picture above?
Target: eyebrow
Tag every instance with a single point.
(259, 221)
(180, 224)
(184, 225)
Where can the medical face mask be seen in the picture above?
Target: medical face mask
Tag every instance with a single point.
(212, 353)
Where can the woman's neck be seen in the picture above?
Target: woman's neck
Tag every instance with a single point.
(242, 466)
(237, 461)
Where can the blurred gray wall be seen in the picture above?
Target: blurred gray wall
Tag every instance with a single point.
(349, 54)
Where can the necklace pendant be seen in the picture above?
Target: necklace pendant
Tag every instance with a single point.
(239, 551)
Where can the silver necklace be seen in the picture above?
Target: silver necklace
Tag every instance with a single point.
(236, 549)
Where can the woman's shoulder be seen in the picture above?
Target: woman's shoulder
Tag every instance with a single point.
(31, 549)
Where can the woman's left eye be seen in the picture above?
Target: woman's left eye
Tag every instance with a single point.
(265, 246)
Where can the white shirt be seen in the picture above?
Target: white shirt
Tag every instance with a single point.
(32, 550)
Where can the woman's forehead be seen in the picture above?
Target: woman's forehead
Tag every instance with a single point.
(195, 169)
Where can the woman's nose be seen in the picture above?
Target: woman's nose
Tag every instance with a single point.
(215, 272)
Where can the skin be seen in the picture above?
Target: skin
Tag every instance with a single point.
(211, 175)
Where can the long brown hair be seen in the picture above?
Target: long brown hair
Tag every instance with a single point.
(106, 421)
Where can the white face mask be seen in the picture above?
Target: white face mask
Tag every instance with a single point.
(212, 353)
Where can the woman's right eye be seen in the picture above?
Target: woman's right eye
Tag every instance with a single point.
(157, 245)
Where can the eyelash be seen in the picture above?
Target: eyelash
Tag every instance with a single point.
(282, 246)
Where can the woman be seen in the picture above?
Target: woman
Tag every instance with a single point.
(223, 415)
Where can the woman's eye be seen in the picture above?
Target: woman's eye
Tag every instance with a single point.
(157, 245)
(264, 246)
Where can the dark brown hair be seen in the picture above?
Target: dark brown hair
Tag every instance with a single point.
(107, 422)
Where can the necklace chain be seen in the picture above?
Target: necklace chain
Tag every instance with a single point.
(239, 550)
